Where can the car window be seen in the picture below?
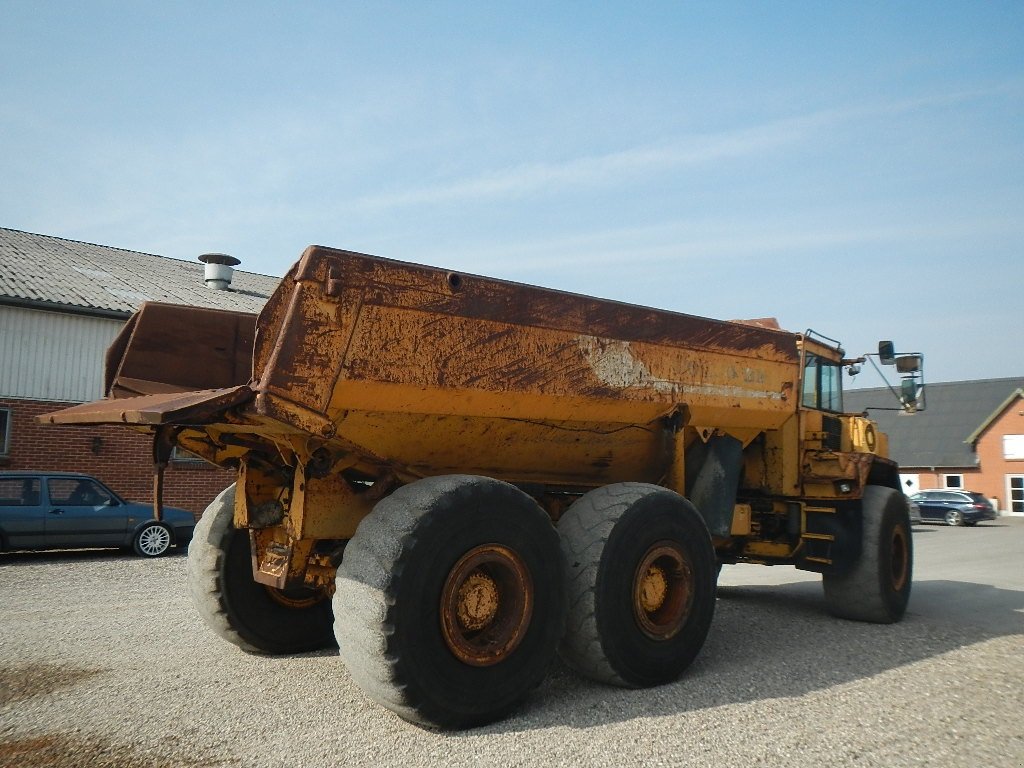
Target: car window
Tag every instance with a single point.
(19, 492)
(76, 492)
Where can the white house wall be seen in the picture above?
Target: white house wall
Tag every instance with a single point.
(52, 355)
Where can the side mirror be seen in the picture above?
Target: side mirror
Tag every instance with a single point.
(908, 364)
(886, 352)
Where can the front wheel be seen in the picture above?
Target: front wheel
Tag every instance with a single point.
(877, 587)
(452, 597)
(641, 571)
(255, 617)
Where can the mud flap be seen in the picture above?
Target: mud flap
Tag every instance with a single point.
(712, 480)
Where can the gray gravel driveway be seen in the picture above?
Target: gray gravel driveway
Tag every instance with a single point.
(104, 663)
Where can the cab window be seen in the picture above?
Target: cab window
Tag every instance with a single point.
(822, 384)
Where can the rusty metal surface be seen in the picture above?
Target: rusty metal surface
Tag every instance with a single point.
(172, 348)
(486, 605)
(153, 410)
(482, 375)
(663, 589)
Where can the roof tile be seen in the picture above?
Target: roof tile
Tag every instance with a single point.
(935, 437)
(52, 270)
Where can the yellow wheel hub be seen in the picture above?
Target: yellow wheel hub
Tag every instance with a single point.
(478, 601)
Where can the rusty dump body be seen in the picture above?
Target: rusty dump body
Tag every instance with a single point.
(369, 373)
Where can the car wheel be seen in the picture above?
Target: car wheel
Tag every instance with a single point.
(953, 517)
(152, 540)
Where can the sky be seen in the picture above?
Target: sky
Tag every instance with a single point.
(854, 168)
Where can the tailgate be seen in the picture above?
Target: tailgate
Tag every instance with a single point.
(202, 407)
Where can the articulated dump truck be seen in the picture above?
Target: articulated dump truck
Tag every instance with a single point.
(453, 478)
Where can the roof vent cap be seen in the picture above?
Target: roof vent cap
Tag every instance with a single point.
(219, 269)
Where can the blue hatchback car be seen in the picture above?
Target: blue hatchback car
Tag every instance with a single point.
(62, 510)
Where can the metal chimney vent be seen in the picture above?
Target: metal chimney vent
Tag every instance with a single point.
(219, 269)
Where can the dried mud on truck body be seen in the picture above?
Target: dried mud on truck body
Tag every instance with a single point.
(454, 478)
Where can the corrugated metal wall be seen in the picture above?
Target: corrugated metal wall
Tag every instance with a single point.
(53, 356)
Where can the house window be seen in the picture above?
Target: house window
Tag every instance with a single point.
(953, 481)
(5, 430)
(1013, 446)
(179, 454)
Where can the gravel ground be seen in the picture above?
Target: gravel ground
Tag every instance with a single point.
(104, 663)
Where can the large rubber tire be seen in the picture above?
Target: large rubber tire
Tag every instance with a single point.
(407, 563)
(954, 518)
(877, 587)
(256, 618)
(611, 539)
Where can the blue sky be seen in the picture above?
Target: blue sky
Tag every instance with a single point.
(856, 168)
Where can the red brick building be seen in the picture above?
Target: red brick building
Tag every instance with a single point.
(61, 304)
(970, 436)
(999, 445)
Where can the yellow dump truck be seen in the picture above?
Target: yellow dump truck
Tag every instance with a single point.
(454, 478)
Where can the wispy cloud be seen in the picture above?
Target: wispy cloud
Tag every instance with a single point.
(681, 242)
(633, 162)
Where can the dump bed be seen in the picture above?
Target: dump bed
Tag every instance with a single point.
(428, 371)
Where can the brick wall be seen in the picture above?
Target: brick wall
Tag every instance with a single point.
(990, 452)
(120, 457)
(936, 479)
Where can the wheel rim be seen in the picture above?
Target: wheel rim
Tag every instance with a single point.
(154, 540)
(486, 605)
(900, 561)
(663, 591)
(952, 517)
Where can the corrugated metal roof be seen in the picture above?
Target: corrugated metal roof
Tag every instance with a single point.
(936, 436)
(51, 271)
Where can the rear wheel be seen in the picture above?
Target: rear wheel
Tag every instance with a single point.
(953, 517)
(642, 573)
(152, 540)
(255, 617)
(877, 587)
(453, 601)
